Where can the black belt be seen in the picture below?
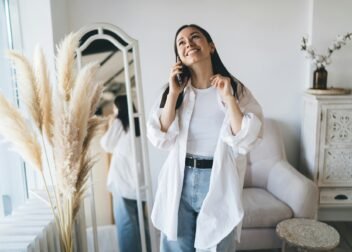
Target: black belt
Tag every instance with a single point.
(199, 163)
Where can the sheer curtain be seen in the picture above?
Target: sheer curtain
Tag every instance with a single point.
(13, 183)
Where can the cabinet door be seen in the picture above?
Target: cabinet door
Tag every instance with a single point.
(335, 159)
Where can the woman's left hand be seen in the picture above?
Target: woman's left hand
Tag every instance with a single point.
(223, 85)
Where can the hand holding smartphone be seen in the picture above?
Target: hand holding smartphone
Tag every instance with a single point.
(184, 75)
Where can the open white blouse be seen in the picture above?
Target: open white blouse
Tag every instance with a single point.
(222, 209)
(122, 178)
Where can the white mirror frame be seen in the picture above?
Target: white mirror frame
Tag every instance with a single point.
(130, 44)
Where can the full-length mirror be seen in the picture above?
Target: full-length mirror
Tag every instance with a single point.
(123, 168)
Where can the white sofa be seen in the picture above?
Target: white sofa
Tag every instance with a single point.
(274, 191)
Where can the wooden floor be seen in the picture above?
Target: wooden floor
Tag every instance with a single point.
(345, 231)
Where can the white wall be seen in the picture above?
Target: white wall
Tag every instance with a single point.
(44, 23)
(59, 17)
(259, 42)
(37, 29)
(330, 19)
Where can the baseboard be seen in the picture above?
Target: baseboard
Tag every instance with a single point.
(335, 214)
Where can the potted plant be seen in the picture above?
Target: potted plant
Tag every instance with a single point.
(61, 124)
(320, 74)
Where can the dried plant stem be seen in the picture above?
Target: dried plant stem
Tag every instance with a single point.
(51, 202)
(67, 230)
(64, 222)
(58, 203)
(70, 223)
(66, 227)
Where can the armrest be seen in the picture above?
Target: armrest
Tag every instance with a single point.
(293, 188)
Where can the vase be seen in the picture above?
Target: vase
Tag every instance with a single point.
(320, 77)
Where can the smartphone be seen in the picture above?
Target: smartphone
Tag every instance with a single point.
(184, 75)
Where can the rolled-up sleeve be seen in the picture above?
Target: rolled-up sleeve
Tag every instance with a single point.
(248, 135)
(251, 130)
(160, 139)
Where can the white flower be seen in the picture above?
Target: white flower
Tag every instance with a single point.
(337, 45)
(310, 50)
(322, 60)
(340, 39)
(309, 56)
(332, 47)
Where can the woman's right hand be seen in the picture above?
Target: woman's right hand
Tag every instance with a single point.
(169, 111)
(174, 87)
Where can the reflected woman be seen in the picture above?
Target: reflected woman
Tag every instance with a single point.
(122, 182)
(208, 121)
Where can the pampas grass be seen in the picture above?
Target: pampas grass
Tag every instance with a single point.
(79, 107)
(28, 87)
(15, 130)
(98, 92)
(64, 115)
(44, 92)
(65, 62)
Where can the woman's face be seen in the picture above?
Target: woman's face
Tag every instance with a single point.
(192, 46)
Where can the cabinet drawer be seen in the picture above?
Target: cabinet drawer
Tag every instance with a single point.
(338, 196)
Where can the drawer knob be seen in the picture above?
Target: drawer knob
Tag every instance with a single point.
(341, 197)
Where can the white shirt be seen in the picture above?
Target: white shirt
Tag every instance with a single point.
(222, 209)
(121, 178)
(206, 121)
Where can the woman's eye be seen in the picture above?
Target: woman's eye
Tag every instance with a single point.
(181, 43)
(195, 36)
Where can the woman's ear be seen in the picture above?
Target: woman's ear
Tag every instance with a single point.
(212, 48)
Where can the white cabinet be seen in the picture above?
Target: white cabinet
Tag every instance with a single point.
(326, 152)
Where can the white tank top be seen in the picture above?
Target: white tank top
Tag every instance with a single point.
(206, 121)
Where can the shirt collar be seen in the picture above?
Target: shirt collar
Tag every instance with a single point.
(188, 90)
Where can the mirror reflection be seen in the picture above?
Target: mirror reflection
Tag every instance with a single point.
(125, 178)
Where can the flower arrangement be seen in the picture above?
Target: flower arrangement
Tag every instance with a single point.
(63, 121)
(321, 61)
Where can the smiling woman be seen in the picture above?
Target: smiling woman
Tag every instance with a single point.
(205, 164)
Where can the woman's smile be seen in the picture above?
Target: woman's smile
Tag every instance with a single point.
(192, 51)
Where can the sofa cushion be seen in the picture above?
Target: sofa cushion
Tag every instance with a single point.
(262, 209)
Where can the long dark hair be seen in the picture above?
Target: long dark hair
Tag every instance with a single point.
(121, 104)
(218, 68)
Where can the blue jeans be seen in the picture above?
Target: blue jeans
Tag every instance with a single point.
(195, 188)
(127, 224)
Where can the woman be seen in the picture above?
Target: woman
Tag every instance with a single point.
(208, 121)
(122, 181)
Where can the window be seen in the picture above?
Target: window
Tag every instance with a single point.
(13, 182)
